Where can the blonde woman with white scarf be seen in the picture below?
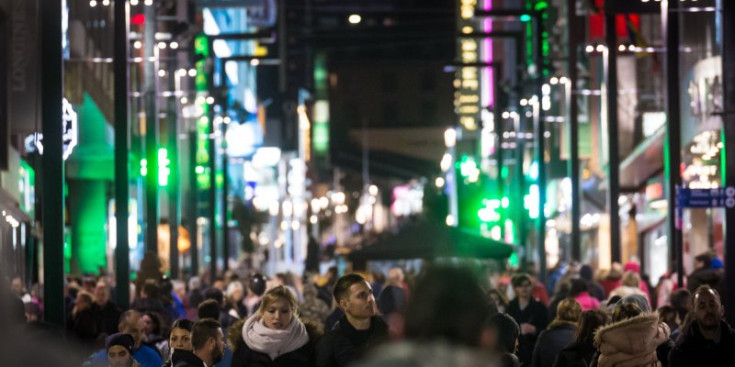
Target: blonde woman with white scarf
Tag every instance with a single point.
(274, 335)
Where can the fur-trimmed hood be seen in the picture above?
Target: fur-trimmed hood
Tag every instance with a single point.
(631, 342)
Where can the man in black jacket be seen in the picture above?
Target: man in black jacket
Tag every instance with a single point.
(108, 311)
(359, 329)
(208, 343)
(708, 340)
(530, 314)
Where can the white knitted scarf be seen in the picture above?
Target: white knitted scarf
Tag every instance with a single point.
(274, 342)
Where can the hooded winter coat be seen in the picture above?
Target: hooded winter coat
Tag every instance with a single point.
(632, 342)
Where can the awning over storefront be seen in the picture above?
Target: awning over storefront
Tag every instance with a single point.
(387, 164)
(9, 206)
(426, 240)
(646, 161)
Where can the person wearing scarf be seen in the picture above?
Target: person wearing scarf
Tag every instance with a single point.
(274, 335)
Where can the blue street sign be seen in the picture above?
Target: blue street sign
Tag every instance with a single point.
(705, 198)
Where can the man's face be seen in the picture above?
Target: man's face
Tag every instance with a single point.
(134, 326)
(524, 289)
(118, 356)
(360, 303)
(708, 310)
(101, 295)
(219, 348)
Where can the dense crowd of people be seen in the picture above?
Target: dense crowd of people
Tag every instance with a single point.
(445, 315)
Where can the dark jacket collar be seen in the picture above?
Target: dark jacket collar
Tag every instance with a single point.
(377, 325)
(726, 334)
(185, 358)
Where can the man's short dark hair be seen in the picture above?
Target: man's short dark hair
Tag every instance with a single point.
(208, 309)
(215, 294)
(507, 330)
(679, 299)
(342, 287)
(202, 331)
(519, 279)
(705, 289)
(705, 258)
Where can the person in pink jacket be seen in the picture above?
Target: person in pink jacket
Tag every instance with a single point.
(635, 267)
(580, 292)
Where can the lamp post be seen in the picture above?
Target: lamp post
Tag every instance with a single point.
(122, 189)
(540, 135)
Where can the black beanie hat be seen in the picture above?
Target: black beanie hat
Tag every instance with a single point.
(122, 339)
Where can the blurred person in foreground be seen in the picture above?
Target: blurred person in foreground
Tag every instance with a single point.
(582, 350)
(358, 330)
(558, 335)
(707, 340)
(635, 337)
(443, 323)
(274, 335)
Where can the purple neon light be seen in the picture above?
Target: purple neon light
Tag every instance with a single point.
(488, 53)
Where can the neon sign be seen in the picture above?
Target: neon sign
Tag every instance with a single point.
(70, 132)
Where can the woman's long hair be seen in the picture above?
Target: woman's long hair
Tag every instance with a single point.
(589, 323)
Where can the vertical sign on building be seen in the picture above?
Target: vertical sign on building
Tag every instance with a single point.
(22, 53)
(467, 83)
(4, 121)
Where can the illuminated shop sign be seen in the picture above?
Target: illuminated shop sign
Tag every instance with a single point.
(467, 82)
(702, 171)
(70, 132)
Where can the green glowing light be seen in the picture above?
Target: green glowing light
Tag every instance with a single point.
(531, 201)
(513, 260)
(489, 213)
(163, 167)
(533, 171)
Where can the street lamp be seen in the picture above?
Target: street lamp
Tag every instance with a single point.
(450, 137)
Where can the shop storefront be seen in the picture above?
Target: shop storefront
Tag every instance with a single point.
(701, 109)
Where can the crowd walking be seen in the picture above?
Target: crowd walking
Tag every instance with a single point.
(443, 315)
